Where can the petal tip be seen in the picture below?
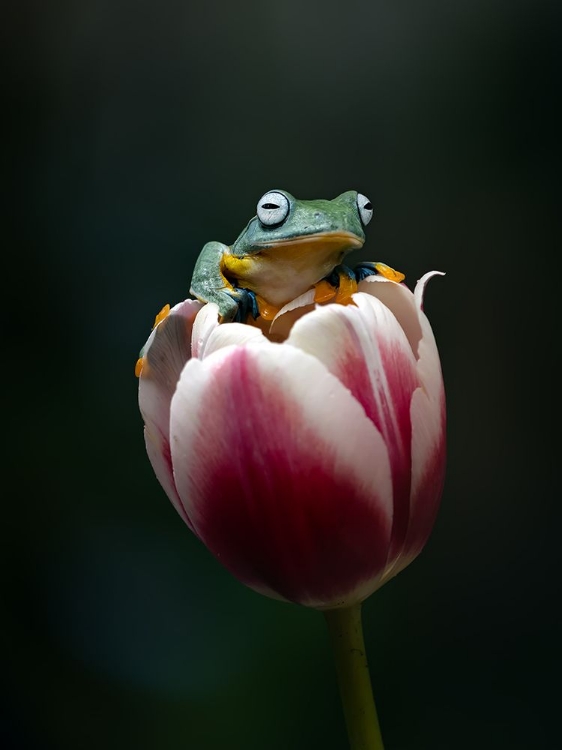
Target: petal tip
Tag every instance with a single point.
(422, 283)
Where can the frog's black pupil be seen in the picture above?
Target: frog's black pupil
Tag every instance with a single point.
(368, 206)
(271, 206)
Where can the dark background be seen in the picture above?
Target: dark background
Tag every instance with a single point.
(137, 131)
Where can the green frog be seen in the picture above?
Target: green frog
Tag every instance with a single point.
(288, 248)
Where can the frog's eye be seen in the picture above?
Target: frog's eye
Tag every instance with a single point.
(273, 208)
(365, 208)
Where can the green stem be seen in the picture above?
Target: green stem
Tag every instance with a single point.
(346, 636)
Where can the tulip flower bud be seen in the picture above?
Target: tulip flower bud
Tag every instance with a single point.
(309, 456)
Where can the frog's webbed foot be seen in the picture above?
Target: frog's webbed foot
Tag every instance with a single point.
(338, 287)
(366, 268)
(246, 302)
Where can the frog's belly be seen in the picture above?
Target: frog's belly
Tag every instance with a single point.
(282, 272)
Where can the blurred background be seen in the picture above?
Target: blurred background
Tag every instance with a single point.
(137, 131)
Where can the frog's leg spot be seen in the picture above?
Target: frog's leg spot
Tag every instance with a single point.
(362, 270)
(324, 291)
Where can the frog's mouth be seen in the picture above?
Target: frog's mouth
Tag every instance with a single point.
(317, 244)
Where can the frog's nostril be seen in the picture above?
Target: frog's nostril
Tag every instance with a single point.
(317, 215)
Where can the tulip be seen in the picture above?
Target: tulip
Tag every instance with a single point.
(307, 454)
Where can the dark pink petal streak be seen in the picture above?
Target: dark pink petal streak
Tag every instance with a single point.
(426, 496)
(271, 507)
(368, 351)
(385, 395)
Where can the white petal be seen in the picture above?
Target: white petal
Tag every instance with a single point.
(165, 353)
(400, 300)
(286, 317)
(428, 416)
(209, 335)
(303, 300)
(158, 451)
(206, 322)
(366, 348)
(419, 291)
(428, 409)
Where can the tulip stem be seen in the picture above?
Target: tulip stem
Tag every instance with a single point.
(346, 636)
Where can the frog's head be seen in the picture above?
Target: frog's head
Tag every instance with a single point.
(285, 223)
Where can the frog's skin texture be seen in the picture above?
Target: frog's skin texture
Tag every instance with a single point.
(289, 247)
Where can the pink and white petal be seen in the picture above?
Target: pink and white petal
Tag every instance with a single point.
(428, 413)
(285, 479)
(367, 350)
(165, 354)
(428, 436)
(400, 300)
(428, 410)
(428, 472)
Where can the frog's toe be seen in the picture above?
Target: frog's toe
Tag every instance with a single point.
(342, 279)
(247, 304)
(366, 268)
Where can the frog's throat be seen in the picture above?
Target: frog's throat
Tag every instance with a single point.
(305, 255)
(280, 271)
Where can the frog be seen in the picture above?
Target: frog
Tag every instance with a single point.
(288, 248)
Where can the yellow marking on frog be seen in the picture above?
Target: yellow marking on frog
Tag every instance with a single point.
(324, 291)
(346, 289)
(267, 311)
(139, 366)
(237, 267)
(389, 273)
(164, 312)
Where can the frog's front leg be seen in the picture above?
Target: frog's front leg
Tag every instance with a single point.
(209, 284)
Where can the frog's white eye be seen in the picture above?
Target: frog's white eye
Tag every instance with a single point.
(365, 208)
(273, 208)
